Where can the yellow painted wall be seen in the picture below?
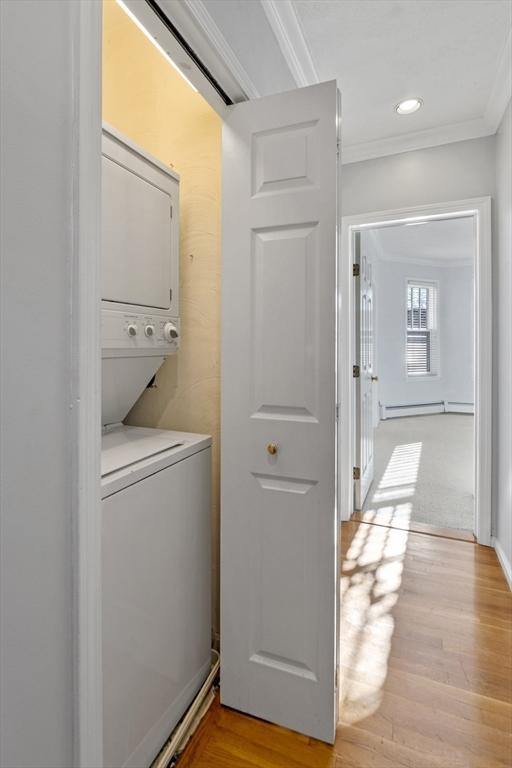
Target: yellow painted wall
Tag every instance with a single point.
(144, 98)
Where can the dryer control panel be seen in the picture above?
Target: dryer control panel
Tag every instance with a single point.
(139, 332)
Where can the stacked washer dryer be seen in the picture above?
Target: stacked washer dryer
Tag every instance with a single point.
(155, 483)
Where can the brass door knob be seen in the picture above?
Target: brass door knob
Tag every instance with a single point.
(272, 448)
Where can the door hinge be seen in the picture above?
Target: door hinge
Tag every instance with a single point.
(355, 371)
(337, 411)
(171, 211)
(170, 295)
(355, 270)
(356, 473)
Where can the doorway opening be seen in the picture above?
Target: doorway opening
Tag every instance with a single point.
(160, 349)
(415, 383)
(416, 285)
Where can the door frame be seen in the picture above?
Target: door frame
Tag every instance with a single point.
(84, 312)
(480, 210)
(85, 214)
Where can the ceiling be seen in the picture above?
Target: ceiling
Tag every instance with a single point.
(447, 52)
(447, 242)
(454, 54)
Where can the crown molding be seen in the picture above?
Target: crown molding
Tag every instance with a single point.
(502, 89)
(199, 13)
(285, 25)
(407, 142)
(487, 125)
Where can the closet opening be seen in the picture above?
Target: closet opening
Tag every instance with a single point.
(160, 349)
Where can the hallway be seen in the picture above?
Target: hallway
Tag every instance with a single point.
(426, 665)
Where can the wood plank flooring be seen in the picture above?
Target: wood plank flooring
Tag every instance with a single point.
(426, 665)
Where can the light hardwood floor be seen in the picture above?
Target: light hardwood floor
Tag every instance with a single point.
(426, 665)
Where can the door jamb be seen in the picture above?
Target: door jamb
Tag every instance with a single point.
(85, 215)
(480, 209)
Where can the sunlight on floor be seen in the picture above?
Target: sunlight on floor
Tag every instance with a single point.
(403, 466)
(394, 493)
(397, 482)
(371, 576)
(398, 513)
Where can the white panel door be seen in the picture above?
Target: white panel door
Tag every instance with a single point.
(278, 534)
(364, 387)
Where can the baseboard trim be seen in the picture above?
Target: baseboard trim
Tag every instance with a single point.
(504, 562)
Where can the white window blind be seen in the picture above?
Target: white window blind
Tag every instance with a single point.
(422, 353)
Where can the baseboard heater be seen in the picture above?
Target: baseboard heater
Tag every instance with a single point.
(423, 409)
(452, 406)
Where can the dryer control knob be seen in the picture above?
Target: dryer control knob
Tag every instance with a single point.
(132, 330)
(149, 330)
(170, 332)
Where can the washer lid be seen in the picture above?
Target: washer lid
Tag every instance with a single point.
(130, 454)
(123, 447)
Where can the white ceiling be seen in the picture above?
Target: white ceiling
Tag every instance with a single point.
(444, 242)
(455, 54)
(447, 52)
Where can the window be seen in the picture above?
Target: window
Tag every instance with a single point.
(422, 352)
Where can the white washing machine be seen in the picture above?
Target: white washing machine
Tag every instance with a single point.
(156, 586)
(155, 483)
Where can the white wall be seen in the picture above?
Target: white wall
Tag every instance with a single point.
(502, 498)
(455, 171)
(36, 579)
(456, 317)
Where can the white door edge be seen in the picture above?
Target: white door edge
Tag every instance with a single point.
(86, 394)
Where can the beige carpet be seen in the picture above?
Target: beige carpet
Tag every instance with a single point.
(424, 471)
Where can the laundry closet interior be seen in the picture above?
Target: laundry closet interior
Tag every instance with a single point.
(160, 332)
(182, 581)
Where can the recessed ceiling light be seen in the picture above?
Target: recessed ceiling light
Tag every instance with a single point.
(408, 106)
